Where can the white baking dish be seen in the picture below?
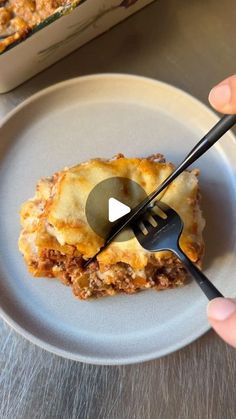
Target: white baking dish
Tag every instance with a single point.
(59, 35)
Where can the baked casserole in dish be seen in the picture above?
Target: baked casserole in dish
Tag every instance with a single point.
(34, 34)
(19, 17)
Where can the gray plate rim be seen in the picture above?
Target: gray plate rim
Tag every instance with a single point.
(31, 336)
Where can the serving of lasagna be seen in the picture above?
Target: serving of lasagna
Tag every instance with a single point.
(56, 238)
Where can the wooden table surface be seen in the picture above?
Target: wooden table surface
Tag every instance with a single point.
(191, 44)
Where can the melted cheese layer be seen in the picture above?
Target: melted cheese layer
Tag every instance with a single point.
(56, 216)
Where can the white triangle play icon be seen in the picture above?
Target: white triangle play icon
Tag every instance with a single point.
(116, 209)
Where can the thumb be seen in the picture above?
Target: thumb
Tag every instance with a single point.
(222, 317)
(223, 96)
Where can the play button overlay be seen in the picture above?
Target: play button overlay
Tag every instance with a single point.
(109, 201)
(116, 209)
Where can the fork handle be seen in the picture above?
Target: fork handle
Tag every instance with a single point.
(206, 286)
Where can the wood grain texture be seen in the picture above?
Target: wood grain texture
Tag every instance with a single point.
(190, 44)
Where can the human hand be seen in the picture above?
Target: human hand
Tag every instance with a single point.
(222, 311)
(222, 317)
(223, 96)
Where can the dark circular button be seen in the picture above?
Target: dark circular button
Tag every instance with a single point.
(108, 200)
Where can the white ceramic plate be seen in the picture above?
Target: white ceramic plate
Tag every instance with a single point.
(101, 116)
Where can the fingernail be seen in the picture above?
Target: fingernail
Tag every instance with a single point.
(220, 95)
(221, 309)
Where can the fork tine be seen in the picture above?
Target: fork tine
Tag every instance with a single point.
(160, 220)
(158, 211)
(146, 222)
(166, 209)
(150, 219)
(141, 226)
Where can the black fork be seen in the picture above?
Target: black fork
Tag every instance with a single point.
(159, 229)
